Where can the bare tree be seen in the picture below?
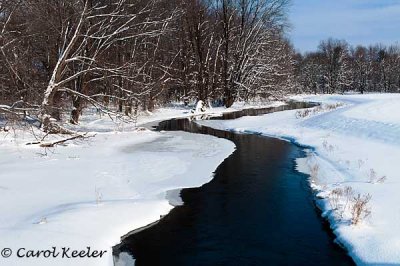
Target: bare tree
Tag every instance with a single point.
(248, 32)
(122, 55)
(88, 37)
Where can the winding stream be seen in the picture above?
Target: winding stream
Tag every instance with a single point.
(258, 210)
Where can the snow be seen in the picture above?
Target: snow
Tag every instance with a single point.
(90, 193)
(92, 121)
(346, 143)
(200, 107)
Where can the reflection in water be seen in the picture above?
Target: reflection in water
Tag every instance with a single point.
(256, 211)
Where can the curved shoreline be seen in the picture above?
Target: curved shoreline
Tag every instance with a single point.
(320, 204)
(357, 150)
(204, 131)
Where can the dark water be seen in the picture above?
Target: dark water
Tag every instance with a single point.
(258, 210)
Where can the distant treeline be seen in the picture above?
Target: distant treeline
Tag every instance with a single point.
(338, 67)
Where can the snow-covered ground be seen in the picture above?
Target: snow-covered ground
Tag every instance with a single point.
(90, 193)
(355, 146)
(92, 122)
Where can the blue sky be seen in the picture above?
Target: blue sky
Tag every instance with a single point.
(357, 21)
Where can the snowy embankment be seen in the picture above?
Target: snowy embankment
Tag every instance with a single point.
(92, 192)
(93, 123)
(355, 150)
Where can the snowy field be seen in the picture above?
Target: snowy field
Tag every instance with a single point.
(354, 149)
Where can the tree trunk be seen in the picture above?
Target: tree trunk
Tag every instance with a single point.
(151, 104)
(55, 110)
(76, 111)
(120, 105)
(128, 108)
(228, 100)
(46, 108)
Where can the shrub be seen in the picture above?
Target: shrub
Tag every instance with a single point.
(328, 147)
(348, 194)
(374, 178)
(335, 198)
(360, 209)
(319, 109)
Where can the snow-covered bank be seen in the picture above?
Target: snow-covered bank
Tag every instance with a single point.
(91, 121)
(89, 195)
(356, 145)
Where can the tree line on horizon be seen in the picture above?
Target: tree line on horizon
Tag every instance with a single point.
(122, 56)
(337, 67)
